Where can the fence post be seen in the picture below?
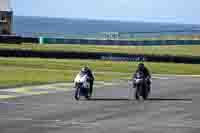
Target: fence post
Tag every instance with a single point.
(41, 40)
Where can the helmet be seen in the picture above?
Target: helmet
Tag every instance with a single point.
(84, 69)
(141, 66)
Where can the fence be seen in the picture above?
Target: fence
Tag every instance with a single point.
(41, 40)
(117, 42)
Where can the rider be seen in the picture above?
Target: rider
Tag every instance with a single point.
(145, 71)
(88, 71)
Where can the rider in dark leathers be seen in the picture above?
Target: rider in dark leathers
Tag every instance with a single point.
(88, 71)
(147, 75)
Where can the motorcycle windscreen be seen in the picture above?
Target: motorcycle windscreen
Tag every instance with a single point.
(139, 75)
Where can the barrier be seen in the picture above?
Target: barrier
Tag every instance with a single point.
(98, 56)
(43, 40)
(119, 42)
(10, 39)
(29, 40)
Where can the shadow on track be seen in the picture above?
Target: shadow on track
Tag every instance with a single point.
(169, 99)
(109, 99)
(149, 99)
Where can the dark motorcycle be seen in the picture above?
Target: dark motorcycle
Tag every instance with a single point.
(141, 86)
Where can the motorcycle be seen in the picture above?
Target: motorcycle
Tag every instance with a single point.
(82, 86)
(141, 86)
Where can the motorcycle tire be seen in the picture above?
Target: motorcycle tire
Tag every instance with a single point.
(87, 97)
(145, 94)
(137, 96)
(77, 94)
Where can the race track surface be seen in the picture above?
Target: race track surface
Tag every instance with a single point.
(173, 107)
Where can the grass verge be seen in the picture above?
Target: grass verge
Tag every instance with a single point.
(28, 71)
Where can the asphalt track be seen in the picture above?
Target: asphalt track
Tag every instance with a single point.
(173, 107)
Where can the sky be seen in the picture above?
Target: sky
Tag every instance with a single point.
(172, 11)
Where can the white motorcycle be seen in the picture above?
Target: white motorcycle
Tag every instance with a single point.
(82, 86)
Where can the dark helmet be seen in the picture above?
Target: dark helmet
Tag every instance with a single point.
(141, 66)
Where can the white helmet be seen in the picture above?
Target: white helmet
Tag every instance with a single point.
(84, 69)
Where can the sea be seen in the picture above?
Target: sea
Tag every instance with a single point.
(54, 27)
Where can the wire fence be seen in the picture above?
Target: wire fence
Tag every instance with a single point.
(162, 35)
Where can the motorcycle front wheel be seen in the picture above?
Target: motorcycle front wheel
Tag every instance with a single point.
(87, 97)
(137, 95)
(77, 94)
(145, 94)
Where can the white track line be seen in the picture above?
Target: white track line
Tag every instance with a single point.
(174, 75)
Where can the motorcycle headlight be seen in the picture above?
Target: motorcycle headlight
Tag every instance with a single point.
(86, 85)
(137, 80)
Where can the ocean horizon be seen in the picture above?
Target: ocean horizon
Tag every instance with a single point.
(37, 26)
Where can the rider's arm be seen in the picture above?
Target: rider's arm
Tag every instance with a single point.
(91, 74)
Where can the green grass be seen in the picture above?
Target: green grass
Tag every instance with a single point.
(189, 50)
(27, 71)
